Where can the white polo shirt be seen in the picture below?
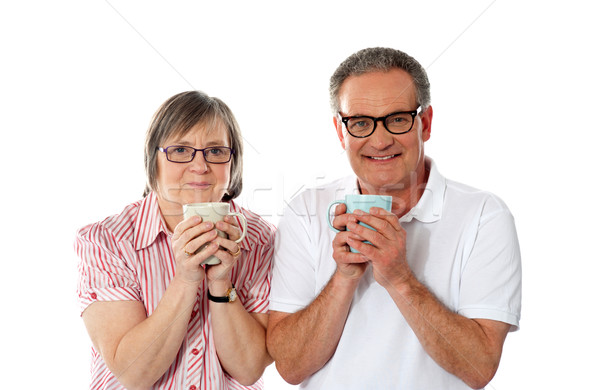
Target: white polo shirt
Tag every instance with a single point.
(461, 244)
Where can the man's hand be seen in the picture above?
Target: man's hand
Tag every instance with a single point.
(387, 248)
(350, 265)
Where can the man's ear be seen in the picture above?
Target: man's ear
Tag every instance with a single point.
(426, 118)
(340, 131)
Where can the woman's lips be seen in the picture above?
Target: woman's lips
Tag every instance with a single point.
(199, 185)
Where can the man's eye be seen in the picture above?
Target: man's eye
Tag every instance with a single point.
(359, 124)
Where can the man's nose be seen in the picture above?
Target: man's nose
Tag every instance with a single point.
(381, 137)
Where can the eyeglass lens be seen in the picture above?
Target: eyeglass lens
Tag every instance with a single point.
(395, 123)
(217, 154)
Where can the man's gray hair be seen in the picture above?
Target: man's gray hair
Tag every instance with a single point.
(379, 59)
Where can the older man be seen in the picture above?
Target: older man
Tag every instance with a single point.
(429, 298)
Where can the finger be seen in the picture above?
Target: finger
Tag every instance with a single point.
(340, 221)
(336, 222)
(381, 223)
(230, 227)
(226, 255)
(227, 244)
(210, 249)
(367, 251)
(204, 237)
(340, 209)
(185, 225)
(361, 232)
(388, 216)
(341, 239)
(185, 236)
(344, 256)
(341, 249)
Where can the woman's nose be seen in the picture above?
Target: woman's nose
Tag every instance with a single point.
(199, 164)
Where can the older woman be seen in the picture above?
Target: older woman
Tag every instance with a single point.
(156, 316)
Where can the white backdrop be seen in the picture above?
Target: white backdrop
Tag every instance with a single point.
(514, 89)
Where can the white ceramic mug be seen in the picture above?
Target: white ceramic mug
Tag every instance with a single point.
(213, 212)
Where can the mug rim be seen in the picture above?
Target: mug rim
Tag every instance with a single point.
(368, 196)
(205, 204)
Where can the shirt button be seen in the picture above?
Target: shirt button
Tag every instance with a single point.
(192, 387)
(93, 295)
(195, 351)
(194, 313)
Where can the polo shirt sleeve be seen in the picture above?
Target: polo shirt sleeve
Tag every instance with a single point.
(105, 274)
(294, 281)
(490, 285)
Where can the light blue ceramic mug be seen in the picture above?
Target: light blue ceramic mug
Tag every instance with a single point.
(360, 202)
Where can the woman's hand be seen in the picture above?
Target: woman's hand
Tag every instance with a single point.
(189, 235)
(228, 251)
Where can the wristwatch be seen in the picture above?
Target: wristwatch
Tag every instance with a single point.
(230, 297)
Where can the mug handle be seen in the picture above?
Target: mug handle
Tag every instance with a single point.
(329, 213)
(245, 223)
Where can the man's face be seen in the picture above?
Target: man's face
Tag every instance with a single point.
(384, 162)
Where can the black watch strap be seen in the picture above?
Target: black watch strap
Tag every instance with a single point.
(225, 299)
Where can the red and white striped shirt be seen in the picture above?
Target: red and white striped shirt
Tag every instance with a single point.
(129, 257)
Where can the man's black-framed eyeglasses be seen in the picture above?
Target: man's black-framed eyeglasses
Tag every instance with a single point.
(184, 154)
(362, 126)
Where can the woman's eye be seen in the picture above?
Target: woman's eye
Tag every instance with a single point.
(216, 151)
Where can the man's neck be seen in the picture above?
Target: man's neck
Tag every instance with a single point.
(405, 196)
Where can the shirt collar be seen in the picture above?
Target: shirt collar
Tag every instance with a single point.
(429, 207)
(149, 222)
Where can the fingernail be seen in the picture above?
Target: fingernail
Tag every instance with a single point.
(359, 212)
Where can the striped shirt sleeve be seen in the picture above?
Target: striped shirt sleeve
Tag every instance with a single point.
(253, 279)
(105, 274)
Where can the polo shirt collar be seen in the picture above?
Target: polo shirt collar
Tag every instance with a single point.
(429, 207)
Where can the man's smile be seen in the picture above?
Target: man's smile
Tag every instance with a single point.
(383, 158)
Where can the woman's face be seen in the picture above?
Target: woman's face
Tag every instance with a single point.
(196, 181)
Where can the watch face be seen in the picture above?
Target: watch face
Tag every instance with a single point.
(232, 295)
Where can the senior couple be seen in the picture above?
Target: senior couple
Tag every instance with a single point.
(426, 303)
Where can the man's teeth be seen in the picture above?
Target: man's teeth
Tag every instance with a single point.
(383, 158)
